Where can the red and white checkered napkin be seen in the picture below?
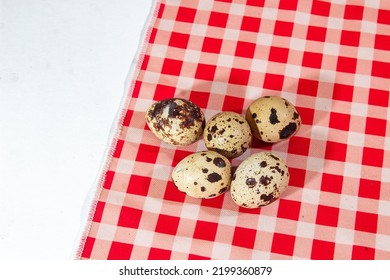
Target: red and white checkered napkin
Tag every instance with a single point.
(329, 58)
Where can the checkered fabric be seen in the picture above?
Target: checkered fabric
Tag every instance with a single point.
(329, 58)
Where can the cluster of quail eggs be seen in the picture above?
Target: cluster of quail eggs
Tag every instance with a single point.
(259, 179)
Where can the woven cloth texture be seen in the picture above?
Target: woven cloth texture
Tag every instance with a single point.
(330, 59)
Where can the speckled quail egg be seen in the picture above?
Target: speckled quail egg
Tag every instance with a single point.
(203, 174)
(259, 180)
(176, 121)
(227, 133)
(273, 119)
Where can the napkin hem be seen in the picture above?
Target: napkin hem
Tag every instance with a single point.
(116, 126)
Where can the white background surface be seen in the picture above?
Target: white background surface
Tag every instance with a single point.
(63, 67)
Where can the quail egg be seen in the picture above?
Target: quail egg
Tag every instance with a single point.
(227, 133)
(273, 119)
(259, 180)
(203, 174)
(176, 121)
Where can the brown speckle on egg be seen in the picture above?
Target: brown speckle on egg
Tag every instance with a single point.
(223, 190)
(214, 177)
(251, 182)
(288, 130)
(273, 117)
(267, 198)
(265, 180)
(219, 162)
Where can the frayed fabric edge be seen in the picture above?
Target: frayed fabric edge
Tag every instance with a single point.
(116, 127)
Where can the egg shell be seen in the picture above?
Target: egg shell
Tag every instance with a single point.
(227, 133)
(273, 119)
(176, 121)
(204, 174)
(259, 180)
